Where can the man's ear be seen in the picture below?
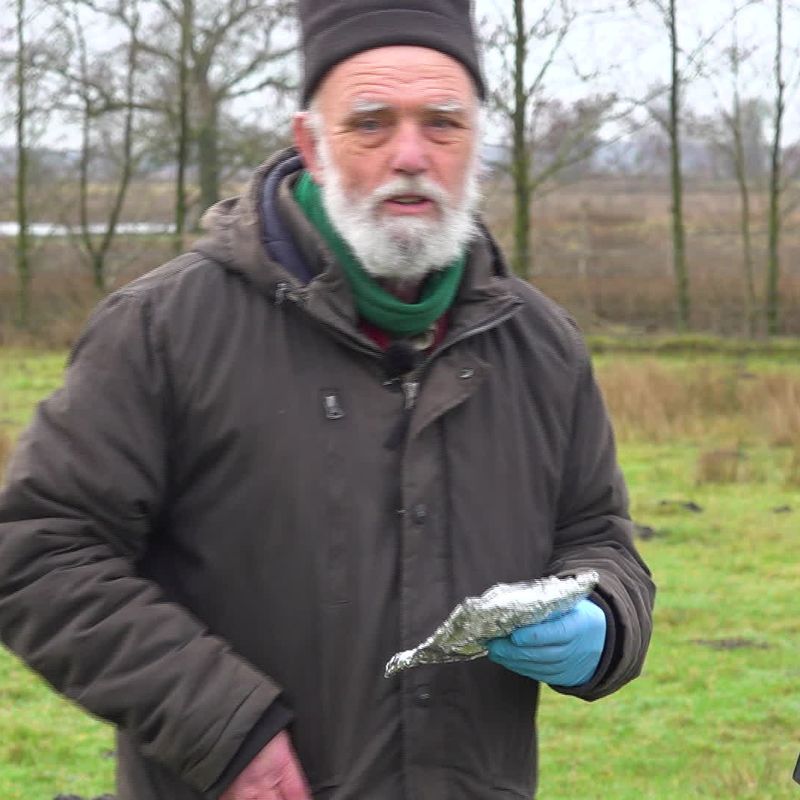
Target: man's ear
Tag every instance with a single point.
(305, 139)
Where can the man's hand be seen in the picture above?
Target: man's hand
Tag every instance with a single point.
(274, 774)
(562, 651)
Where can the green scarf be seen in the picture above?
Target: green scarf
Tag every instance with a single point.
(374, 303)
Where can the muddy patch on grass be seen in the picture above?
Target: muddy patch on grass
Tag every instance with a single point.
(732, 644)
(78, 797)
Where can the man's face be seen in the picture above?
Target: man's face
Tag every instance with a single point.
(392, 139)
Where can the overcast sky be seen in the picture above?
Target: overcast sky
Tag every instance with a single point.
(623, 51)
(627, 52)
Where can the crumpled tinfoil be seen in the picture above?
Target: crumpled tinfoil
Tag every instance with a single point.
(497, 612)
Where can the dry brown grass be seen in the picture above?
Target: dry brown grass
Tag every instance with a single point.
(793, 470)
(62, 292)
(658, 401)
(601, 248)
(663, 401)
(6, 446)
(60, 304)
(720, 466)
(653, 401)
(776, 400)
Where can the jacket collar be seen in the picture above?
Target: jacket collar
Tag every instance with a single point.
(263, 237)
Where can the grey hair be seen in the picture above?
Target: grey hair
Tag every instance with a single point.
(314, 119)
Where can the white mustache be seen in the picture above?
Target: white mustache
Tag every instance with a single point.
(420, 187)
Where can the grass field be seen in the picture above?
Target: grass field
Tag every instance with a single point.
(47, 746)
(710, 447)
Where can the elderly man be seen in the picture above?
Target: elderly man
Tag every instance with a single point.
(286, 455)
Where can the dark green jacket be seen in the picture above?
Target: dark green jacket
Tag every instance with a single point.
(211, 514)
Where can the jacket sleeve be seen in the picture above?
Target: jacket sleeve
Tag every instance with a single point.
(594, 531)
(83, 493)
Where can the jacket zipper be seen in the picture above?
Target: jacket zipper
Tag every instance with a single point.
(412, 381)
(487, 325)
(410, 388)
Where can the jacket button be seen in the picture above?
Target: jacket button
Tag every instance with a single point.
(420, 513)
(423, 698)
(466, 374)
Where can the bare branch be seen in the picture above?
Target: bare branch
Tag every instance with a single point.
(536, 85)
(259, 59)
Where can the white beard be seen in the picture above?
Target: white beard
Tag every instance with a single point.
(400, 248)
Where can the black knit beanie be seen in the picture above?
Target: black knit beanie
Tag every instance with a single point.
(334, 30)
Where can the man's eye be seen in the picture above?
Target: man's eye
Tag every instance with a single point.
(370, 125)
(443, 123)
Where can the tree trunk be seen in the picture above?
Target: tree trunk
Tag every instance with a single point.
(584, 258)
(127, 158)
(83, 183)
(520, 168)
(207, 146)
(676, 179)
(751, 303)
(740, 167)
(98, 271)
(773, 262)
(23, 242)
(97, 253)
(86, 155)
(183, 125)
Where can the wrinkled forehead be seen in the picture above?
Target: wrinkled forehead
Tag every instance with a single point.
(398, 77)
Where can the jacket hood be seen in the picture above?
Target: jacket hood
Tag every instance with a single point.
(236, 235)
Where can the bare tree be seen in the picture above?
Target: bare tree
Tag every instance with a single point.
(184, 130)
(740, 122)
(24, 69)
(546, 139)
(676, 176)
(671, 122)
(96, 96)
(23, 247)
(518, 114)
(736, 124)
(227, 50)
(772, 303)
(682, 64)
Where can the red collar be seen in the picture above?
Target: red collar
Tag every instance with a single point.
(383, 339)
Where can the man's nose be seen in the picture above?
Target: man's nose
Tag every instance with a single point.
(410, 155)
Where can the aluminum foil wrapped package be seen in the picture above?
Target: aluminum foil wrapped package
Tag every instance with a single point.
(497, 612)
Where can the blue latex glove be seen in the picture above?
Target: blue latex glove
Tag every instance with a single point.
(564, 650)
